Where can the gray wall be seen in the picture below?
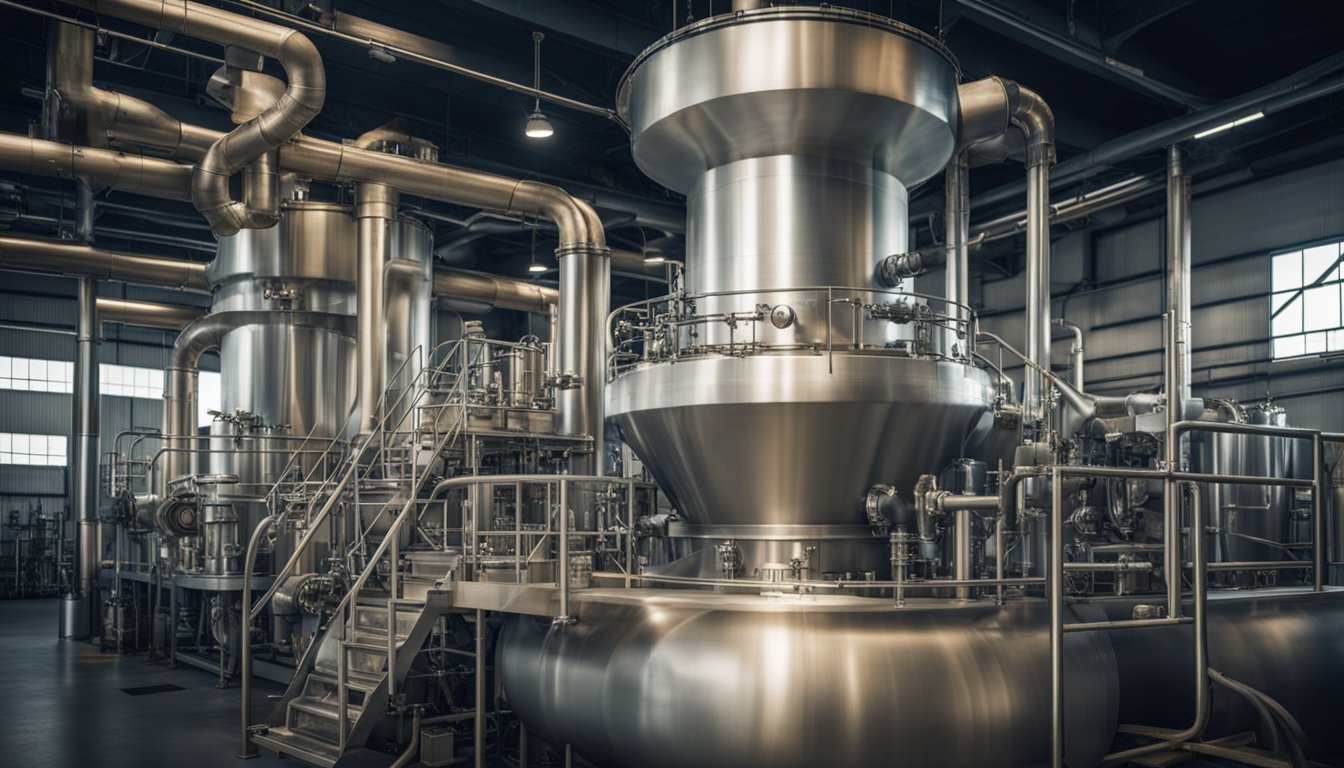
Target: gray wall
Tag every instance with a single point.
(1233, 231)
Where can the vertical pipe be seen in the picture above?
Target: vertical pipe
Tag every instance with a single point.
(375, 209)
(1176, 364)
(1318, 540)
(1177, 358)
(563, 564)
(957, 221)
(585, 277)
(961, 557)
(1038, 288)
(84, 427)
(1056, 585)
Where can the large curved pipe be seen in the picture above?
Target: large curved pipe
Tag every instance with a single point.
(88, 115)
(990, 107)
(303, 98)
(179, 396)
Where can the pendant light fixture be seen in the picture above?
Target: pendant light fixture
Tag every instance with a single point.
(538, 126)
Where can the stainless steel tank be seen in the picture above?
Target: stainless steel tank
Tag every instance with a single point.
(795, 134)
(723, 681)
(1253, 523)
(281, 384)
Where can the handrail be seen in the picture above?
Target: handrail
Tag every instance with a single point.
(676, 318)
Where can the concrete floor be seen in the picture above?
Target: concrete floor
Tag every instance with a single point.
(61, 704)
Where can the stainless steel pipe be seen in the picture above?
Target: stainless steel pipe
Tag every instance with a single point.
(1177, 348)
(99, 167)
(375, 210)
(1075, 351)
(84, 447)
(957, 222)
(172, 317)
(73, 259)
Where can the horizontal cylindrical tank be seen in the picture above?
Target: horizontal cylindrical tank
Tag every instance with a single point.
(722, 681)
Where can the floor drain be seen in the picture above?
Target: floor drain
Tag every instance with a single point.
(145, 690)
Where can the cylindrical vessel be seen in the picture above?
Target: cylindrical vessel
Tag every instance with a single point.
(795, 133)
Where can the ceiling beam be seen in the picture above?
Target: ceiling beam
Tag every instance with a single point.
(1129, 20)
(1050, 34)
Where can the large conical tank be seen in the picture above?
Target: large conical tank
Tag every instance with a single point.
(799, 380)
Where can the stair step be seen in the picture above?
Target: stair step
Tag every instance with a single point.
(317, 720)
(284, 741)
(356, 680)
(321, 688)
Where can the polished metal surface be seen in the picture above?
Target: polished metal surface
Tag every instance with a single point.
(808, 81)
(796, 439)
(790, 221)
(654, 679)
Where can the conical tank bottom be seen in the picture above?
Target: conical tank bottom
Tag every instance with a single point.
(794, 439)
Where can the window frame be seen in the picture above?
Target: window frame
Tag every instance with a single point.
(1314, 334)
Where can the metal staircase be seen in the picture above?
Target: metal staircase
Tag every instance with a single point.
(343, 685)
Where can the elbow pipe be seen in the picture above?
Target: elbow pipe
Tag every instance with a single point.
(577, 223)
(1075, 351)
(180, 393)
(303, 98)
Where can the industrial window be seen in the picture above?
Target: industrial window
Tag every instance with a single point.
(1304, 315)
(127, 381)
(38, 450)
(36, 375)
(33, 375)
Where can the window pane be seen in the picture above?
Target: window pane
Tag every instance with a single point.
(1315, 343)
(1316, 260)
(6, 367)
(1336, 341)
(1289, 346)
(1287, 271)
(1321, 309)
(1289, 320)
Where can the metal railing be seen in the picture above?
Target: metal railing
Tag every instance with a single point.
(815, 319)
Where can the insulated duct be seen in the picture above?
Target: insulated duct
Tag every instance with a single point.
(251, 141)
